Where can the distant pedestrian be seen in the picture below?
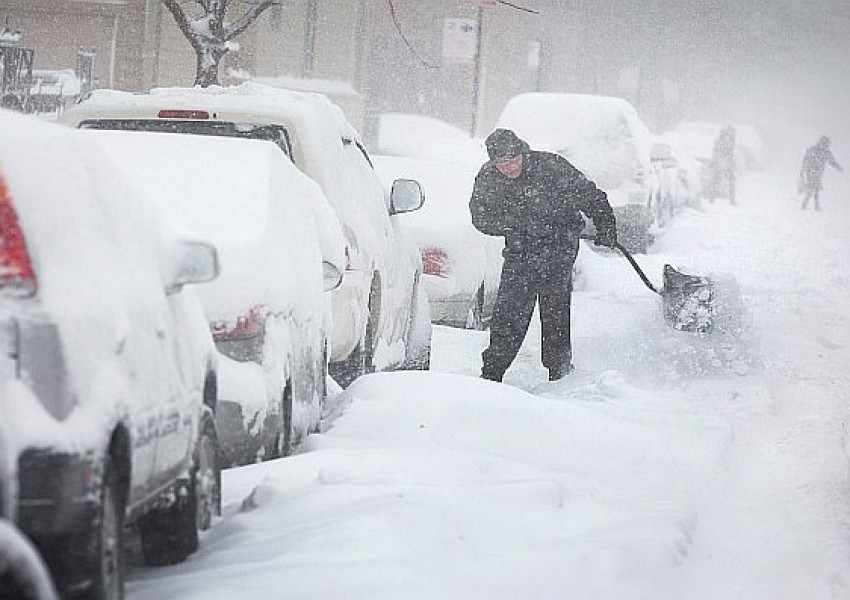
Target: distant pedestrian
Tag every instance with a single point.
(811, 172)
(723, 166)
(535, 200)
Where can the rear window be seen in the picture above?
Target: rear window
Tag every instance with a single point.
(251, 131)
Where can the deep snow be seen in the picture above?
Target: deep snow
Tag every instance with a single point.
(651, 473)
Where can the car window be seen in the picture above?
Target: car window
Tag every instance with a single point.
(273, 133)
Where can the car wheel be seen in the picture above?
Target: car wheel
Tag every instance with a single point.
(23, 574)
(170, 534)
(359, 362)
(107, 548)
(284, 436)
(475, 315)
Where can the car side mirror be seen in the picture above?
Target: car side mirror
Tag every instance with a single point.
(406, 196)
(196, 262)
(331, 276)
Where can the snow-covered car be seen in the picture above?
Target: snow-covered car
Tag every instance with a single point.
(460, 264)
(408, 134)
(108, 374)
(268, 311)
(380, 313)
(605, 138)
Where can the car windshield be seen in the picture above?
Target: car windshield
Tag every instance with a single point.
(252, 131)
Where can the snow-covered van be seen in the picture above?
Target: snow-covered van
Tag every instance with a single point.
(108, 370)
(380, 312)
(605, 138)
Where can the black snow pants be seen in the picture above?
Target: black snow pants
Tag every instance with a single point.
(546, 279)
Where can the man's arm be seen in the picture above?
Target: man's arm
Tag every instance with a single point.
(593, 202)
(832, 162)
(486, 208)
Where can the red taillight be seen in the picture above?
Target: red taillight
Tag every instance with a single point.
(183, 114)
(16, 273)
(435, 261)
(246, 326)
(347, 258)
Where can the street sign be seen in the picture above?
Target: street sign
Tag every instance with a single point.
(460, 41)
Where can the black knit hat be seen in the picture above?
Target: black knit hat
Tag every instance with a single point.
(504, 143)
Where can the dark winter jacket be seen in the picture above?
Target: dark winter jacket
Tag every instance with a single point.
(540, 211)
(814, 163)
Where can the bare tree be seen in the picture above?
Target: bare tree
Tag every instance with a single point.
(209, 32)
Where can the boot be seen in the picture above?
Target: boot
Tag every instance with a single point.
(561, 372)
(491, 375)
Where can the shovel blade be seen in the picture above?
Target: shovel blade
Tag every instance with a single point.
(688, 301)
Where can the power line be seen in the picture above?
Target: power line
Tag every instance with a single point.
(406, 41)
(506, 3)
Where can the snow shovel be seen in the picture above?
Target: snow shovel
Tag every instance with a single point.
(687, 300)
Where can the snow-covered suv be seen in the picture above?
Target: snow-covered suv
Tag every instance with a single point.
(107, 369)
(380, 312)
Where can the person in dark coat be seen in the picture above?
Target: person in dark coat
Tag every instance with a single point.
(723, 165)
(535, 200)
(811, 173)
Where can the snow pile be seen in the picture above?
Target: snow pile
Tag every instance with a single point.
(403, 134)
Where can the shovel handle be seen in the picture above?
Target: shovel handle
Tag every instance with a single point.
(632, 262)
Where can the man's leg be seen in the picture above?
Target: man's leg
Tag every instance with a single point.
(731, 176)
(555, 304)
(806, 196)
(817, 197)
(511, 317)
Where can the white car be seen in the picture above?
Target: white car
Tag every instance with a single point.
(107, 370)
(461, 266)
(268, 311)
(605, 139)
(380, 313)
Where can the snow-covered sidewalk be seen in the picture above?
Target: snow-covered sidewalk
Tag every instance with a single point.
(647, 474)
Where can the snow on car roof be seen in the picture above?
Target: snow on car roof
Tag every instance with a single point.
(261, 100)
(218, 188)
(405, 134)
(263, 214)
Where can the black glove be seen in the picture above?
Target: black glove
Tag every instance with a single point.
(606, 238)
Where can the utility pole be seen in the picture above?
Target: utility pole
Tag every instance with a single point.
(476, 70)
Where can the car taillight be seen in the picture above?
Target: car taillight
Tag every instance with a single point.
(16, 273)
(183, 114)
(435, 261)
(246, 326)
(347, 258)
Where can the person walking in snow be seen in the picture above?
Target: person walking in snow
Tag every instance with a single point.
(534, 200)
(723, 165)
(811, 172)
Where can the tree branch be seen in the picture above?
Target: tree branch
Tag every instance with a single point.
(242, 23)
(183, 22)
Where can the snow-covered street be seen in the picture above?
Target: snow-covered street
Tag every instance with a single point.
(648, 473)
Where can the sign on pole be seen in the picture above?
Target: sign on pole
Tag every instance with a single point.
(460, 41)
